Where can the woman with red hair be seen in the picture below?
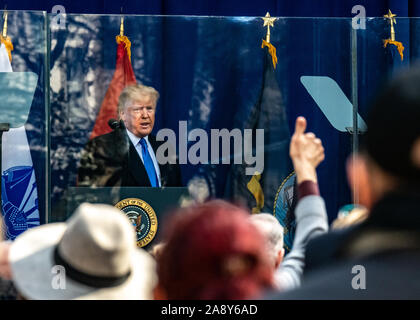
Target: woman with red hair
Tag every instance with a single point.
(213, 251)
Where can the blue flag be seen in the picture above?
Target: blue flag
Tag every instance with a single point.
(271, 190)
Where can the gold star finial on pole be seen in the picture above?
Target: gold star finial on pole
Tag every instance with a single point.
(392, 21)
(268, 22)
(4, 39)
(391, 17)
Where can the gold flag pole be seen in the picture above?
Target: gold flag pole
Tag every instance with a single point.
(392, 20)
(269, 22)
(122, 38)
(4, 39)
(4, 33)
(122, 26)
(391, 17)
(254, 185)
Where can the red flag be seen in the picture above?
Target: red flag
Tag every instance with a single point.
(123, 76)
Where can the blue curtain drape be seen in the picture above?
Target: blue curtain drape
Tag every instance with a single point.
(301, 8)
(209, 70)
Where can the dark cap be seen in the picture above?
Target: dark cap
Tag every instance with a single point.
(394, 125)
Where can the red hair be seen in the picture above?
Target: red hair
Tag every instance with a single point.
(213, 251)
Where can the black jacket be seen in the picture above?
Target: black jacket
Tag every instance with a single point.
(387, 245)
(112, 160)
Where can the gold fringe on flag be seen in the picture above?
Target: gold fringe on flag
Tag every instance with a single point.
(8, 44)
(127, 43)
(271, 51)
(255, 188)
(398, 44)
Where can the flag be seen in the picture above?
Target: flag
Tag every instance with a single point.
(394, 56)
(5, 65)
(272, 190)
(19, 188)
(123, 76)
(395, 49)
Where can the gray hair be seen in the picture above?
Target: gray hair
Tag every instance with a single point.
(271, 228)
(136, 92)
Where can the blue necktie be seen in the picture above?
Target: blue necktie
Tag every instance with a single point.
(148, 164)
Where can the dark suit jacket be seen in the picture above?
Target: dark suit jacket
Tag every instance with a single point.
(112, 160)
(386, 245)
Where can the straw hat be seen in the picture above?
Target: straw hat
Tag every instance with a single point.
(96, 247)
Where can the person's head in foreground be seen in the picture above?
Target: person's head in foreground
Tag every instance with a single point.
(271, 228)
(97, 249)
(213, 251)
(378, 258)
(390, 156)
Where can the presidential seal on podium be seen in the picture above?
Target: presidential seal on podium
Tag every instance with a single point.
(142, 217)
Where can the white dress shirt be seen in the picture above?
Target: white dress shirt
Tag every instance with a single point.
(136, 142)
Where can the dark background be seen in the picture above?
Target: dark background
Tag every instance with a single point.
(299, 8)
(188, 52)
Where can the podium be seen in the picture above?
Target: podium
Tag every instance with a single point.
(146, 208)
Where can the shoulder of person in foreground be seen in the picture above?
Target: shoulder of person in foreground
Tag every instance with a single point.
(323, 250)
(387, 275)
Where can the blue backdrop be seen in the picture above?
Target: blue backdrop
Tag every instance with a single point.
(209, 72)
(301, 8)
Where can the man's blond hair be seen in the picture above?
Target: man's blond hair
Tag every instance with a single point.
(134, 93)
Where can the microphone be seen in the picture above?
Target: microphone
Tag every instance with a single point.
(114, 124)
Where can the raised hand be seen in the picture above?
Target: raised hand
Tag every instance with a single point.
(306, 151)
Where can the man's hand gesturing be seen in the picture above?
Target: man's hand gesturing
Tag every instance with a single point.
(306, 151)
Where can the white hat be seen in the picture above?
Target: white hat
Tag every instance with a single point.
(97, 249)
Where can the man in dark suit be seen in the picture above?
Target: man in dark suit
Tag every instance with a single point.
(127, 155)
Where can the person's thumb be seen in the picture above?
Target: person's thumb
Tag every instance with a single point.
(300, 125)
